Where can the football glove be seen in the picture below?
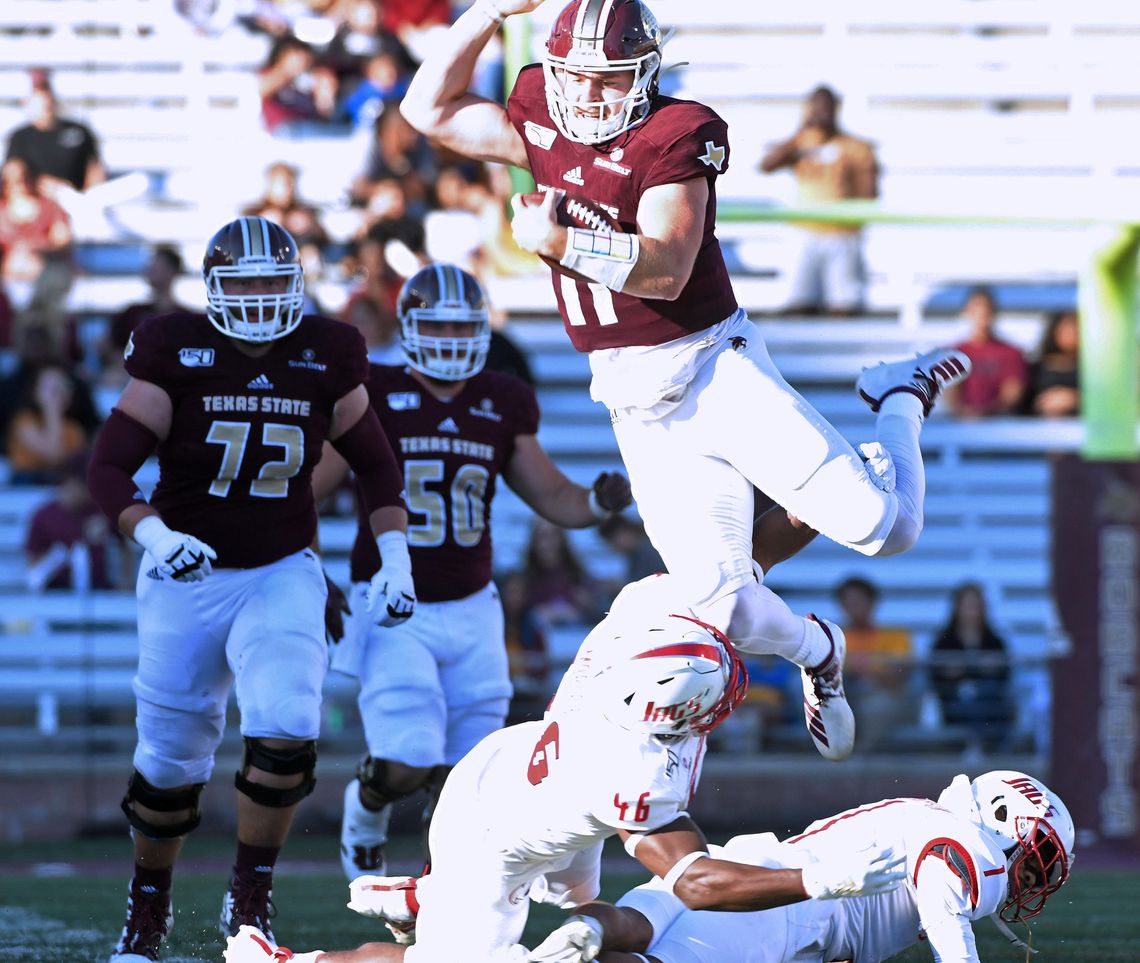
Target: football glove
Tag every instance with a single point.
(391, 899)
(391, 596)
(578, 940)
(610, 494)
(336, 608)
(179, 556)
(250, 945)
(879, 464)
(868, 872)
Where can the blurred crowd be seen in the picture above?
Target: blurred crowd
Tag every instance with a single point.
(343, 65)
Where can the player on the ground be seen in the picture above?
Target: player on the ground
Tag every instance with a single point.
(523, 816)
(237, 404)
(694, 397)
(432, 688)
(999, 846)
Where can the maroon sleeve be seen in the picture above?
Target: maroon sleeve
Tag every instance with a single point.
(121, 448)
(352, 358)
(366, 449)
(524, 406)
(146, 356)
(521, 102)
(37, 541)
(700, 148)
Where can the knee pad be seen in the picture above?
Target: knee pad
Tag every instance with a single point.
(375, 775)
(297, 760)
(163, 801)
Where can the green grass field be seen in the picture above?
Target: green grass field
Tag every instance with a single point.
(50, 914)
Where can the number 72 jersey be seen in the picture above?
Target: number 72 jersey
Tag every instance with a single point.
(235, 469)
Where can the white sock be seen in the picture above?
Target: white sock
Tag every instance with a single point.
(897, 430)
(759, 622)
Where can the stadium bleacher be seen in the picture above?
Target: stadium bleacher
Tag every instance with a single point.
(966, 99)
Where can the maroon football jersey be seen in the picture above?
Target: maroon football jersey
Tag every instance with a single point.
(678, 141)
(235, 469)
(452, 453)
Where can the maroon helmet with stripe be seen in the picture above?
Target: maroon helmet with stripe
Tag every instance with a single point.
(253, 247)
(674, 676)
(601, 38)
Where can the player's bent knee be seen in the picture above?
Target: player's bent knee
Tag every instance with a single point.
(902, 536)
(386, 781)
(296, 759)
(167, 801)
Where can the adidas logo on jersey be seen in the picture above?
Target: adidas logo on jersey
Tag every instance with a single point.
(574, 176)
(448, 424)
(261, 382)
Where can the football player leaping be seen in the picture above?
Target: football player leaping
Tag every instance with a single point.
(431, 689)
(700, 412)
(229, 594)
(999, 846)
(524, 815)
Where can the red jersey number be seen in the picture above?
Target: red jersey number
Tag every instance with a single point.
(640, 808)
(540, 759)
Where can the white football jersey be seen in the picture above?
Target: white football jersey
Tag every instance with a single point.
(545, 789)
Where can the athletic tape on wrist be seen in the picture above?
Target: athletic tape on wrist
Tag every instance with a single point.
(603, 256)
(679, 867)
(631, 843)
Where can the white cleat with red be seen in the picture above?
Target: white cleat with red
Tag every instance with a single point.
(830, 720)
(923, 376)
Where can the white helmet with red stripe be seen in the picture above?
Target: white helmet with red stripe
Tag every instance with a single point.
(1032, 827)
(675, 676)
(603, 40)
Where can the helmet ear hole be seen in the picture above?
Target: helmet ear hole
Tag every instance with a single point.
(1001, 814)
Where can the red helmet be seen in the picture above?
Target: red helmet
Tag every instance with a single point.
(601, 37)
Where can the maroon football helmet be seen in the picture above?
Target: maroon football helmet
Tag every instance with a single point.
(598, 39)
(246, 248)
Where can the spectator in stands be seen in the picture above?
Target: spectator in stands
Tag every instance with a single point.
(452, 231)
(397, 152)
(525, 633)
(162, 270)
(381, 82)
(416, 23)
(970, 671)
(38, 346)
(829, 165)
(281, 204)
(42, 437)
(879, 670)
(562, 590)
(63, 153)
(70, 544)
(35, 234)
(1053, 389)
(296, 91)
(997, 382)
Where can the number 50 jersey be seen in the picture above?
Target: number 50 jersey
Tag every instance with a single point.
(452, 453)
(246, 432)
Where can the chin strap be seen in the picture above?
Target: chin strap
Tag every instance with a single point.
(1013, 938)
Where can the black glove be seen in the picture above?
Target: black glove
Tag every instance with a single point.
(610, 494)
(336, 608)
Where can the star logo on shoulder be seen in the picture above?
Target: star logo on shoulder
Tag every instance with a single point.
(713, 156)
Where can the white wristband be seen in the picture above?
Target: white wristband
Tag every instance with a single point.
(148, 530)
(603, 256)
(489, 10)
(679, 867)
(393, 548)
(631, 843)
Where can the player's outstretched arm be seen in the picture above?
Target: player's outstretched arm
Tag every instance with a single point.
(439, 102)
(542, 485)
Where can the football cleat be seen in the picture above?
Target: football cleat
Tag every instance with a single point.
(391, 899)
(923, 376)
(830, 720)
(248, 902)
(363, 834)
(250, 945)
(150, 917)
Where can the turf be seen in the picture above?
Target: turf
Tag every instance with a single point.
(65, 903)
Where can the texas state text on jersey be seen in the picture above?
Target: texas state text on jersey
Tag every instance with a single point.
(246, 432)
(451, 453)
(680, 140)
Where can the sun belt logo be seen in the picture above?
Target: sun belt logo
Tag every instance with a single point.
(574, 176)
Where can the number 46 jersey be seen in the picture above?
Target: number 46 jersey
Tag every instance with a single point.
(246, 432)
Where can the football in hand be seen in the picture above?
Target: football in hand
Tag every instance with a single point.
(576, 212)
